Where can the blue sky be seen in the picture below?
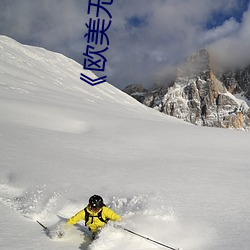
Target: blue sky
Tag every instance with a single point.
(148, 38)
(218, 17)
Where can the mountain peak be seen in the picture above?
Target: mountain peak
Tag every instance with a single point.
(200, 96)
(197, 64)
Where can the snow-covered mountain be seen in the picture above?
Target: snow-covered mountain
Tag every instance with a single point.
(62, 140)
(201, 96)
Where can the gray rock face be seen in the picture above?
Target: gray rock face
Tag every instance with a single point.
(201, 97)
(237, 81)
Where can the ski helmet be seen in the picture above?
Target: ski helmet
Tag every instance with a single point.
(95, 202)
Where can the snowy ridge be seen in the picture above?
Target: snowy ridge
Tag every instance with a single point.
(38, 68)
(62, 140)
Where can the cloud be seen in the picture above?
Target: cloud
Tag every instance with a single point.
(52, 24)
(233, 49)
(228, 28)
(147, 38)
(171, 31)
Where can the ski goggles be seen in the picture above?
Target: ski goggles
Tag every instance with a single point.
(94, 208)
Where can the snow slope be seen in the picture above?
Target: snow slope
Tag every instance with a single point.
(62, 140)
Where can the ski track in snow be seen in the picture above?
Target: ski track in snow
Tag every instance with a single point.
(43, 117)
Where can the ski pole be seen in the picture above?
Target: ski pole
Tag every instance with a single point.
(146, 238)
(45, 228)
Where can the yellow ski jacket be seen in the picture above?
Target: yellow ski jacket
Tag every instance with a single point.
(94, 223)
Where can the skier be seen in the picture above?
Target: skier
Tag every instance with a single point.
(95, 214)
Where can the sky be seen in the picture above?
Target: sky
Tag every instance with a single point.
(147, 39)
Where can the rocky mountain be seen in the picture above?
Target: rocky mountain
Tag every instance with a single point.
(237, 81)
(200, 96)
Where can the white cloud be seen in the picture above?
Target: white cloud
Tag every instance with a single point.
(233, 50)
(228, 28)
